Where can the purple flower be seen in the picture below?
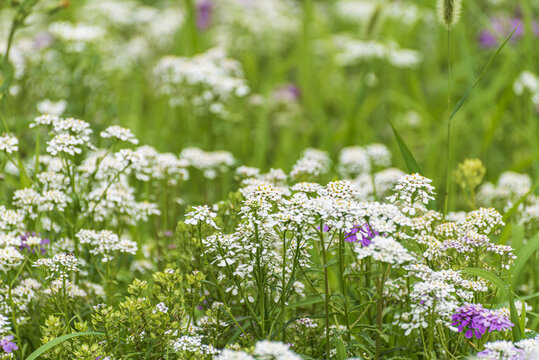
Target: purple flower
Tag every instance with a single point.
(8, 345)
(324, 229)
(204, 14)
(42, 244)
(501, 27)
(365, 233)
(474, 319)
(287, 93)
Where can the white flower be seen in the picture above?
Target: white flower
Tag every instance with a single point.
(312, 164)
(64, 143)
(52, 108)
(106, 243)
(59, 264)
(276, 349)
(227, 354)
(120, 133)
(10, 258)
(9, 143)
(354, 161)
(201, 214)
(161, 307)
(46, 119)
(385, 249)
(412, 192)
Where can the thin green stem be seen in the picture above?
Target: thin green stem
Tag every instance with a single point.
(326, 288)
(448, 150)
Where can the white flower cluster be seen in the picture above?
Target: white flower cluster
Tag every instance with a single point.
(351, 51)
(72, 290)
(148, 26)
(160, 308)
(380, 185)
(10, 258)
(362, 11)
(385, 249)
(207, 81)
(209, 162)
(119, 133)
(47, 106)
(70, 135)
(32, 203)
(9, 143)
(199, 215)
(192, 345)
(311, 165)
(252, 24)
(105, 243)
(508, 191)
(160, 166)
(77, 35)
(527, 349)
(528, 82)
(263, 350)
(60, 265)
(412, 193)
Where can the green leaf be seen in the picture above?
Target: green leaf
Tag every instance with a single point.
(522, 258)
(517, 333)
(341, 349)
(43, 348)
(409, 159)
(459, 104)
(307, 302)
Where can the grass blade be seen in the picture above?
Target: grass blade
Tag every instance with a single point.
(461, 102)
(43, 348)
(522, 258)
(411, 163)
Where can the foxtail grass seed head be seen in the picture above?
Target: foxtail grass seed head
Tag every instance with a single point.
(449, 12)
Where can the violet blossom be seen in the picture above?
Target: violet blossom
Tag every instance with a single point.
(476, 320)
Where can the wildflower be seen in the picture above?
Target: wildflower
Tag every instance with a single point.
(31, 242)
(204, 14)
(201, 214)
(52, 108)
(193, 344)
(120, 133)
(276, 349)
(247, 172)
(9, 143)
(210, 163)
(59, 264)
(208, 80)
(312, 164)
(227, 354)
(385, 249)
(64, 143)
(161, 307)
(46, 119)
(364, 231)
(522, 350)
(470, 173)
(501, 27)
(10, 258)
(379, 155)
(412, 193)
(7, 344)
(477, 320)
(106, 243)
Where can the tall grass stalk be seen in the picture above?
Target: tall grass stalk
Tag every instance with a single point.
(448, 149)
